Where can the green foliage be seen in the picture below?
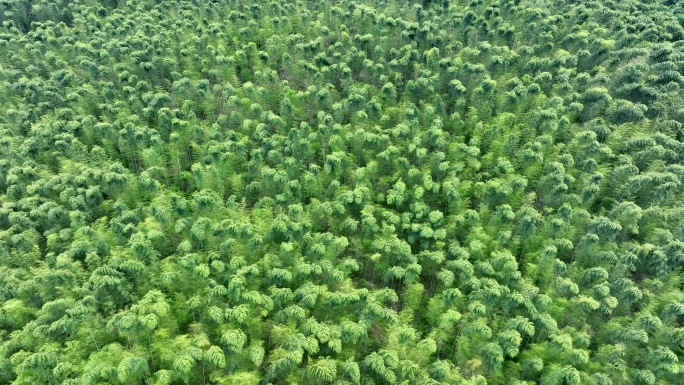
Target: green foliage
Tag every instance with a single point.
(364, 192)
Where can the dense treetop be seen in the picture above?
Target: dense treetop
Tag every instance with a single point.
(341, 192)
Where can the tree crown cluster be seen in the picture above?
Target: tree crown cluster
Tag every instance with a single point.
(351, 192)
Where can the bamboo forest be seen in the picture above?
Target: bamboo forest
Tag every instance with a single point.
(350, 192)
